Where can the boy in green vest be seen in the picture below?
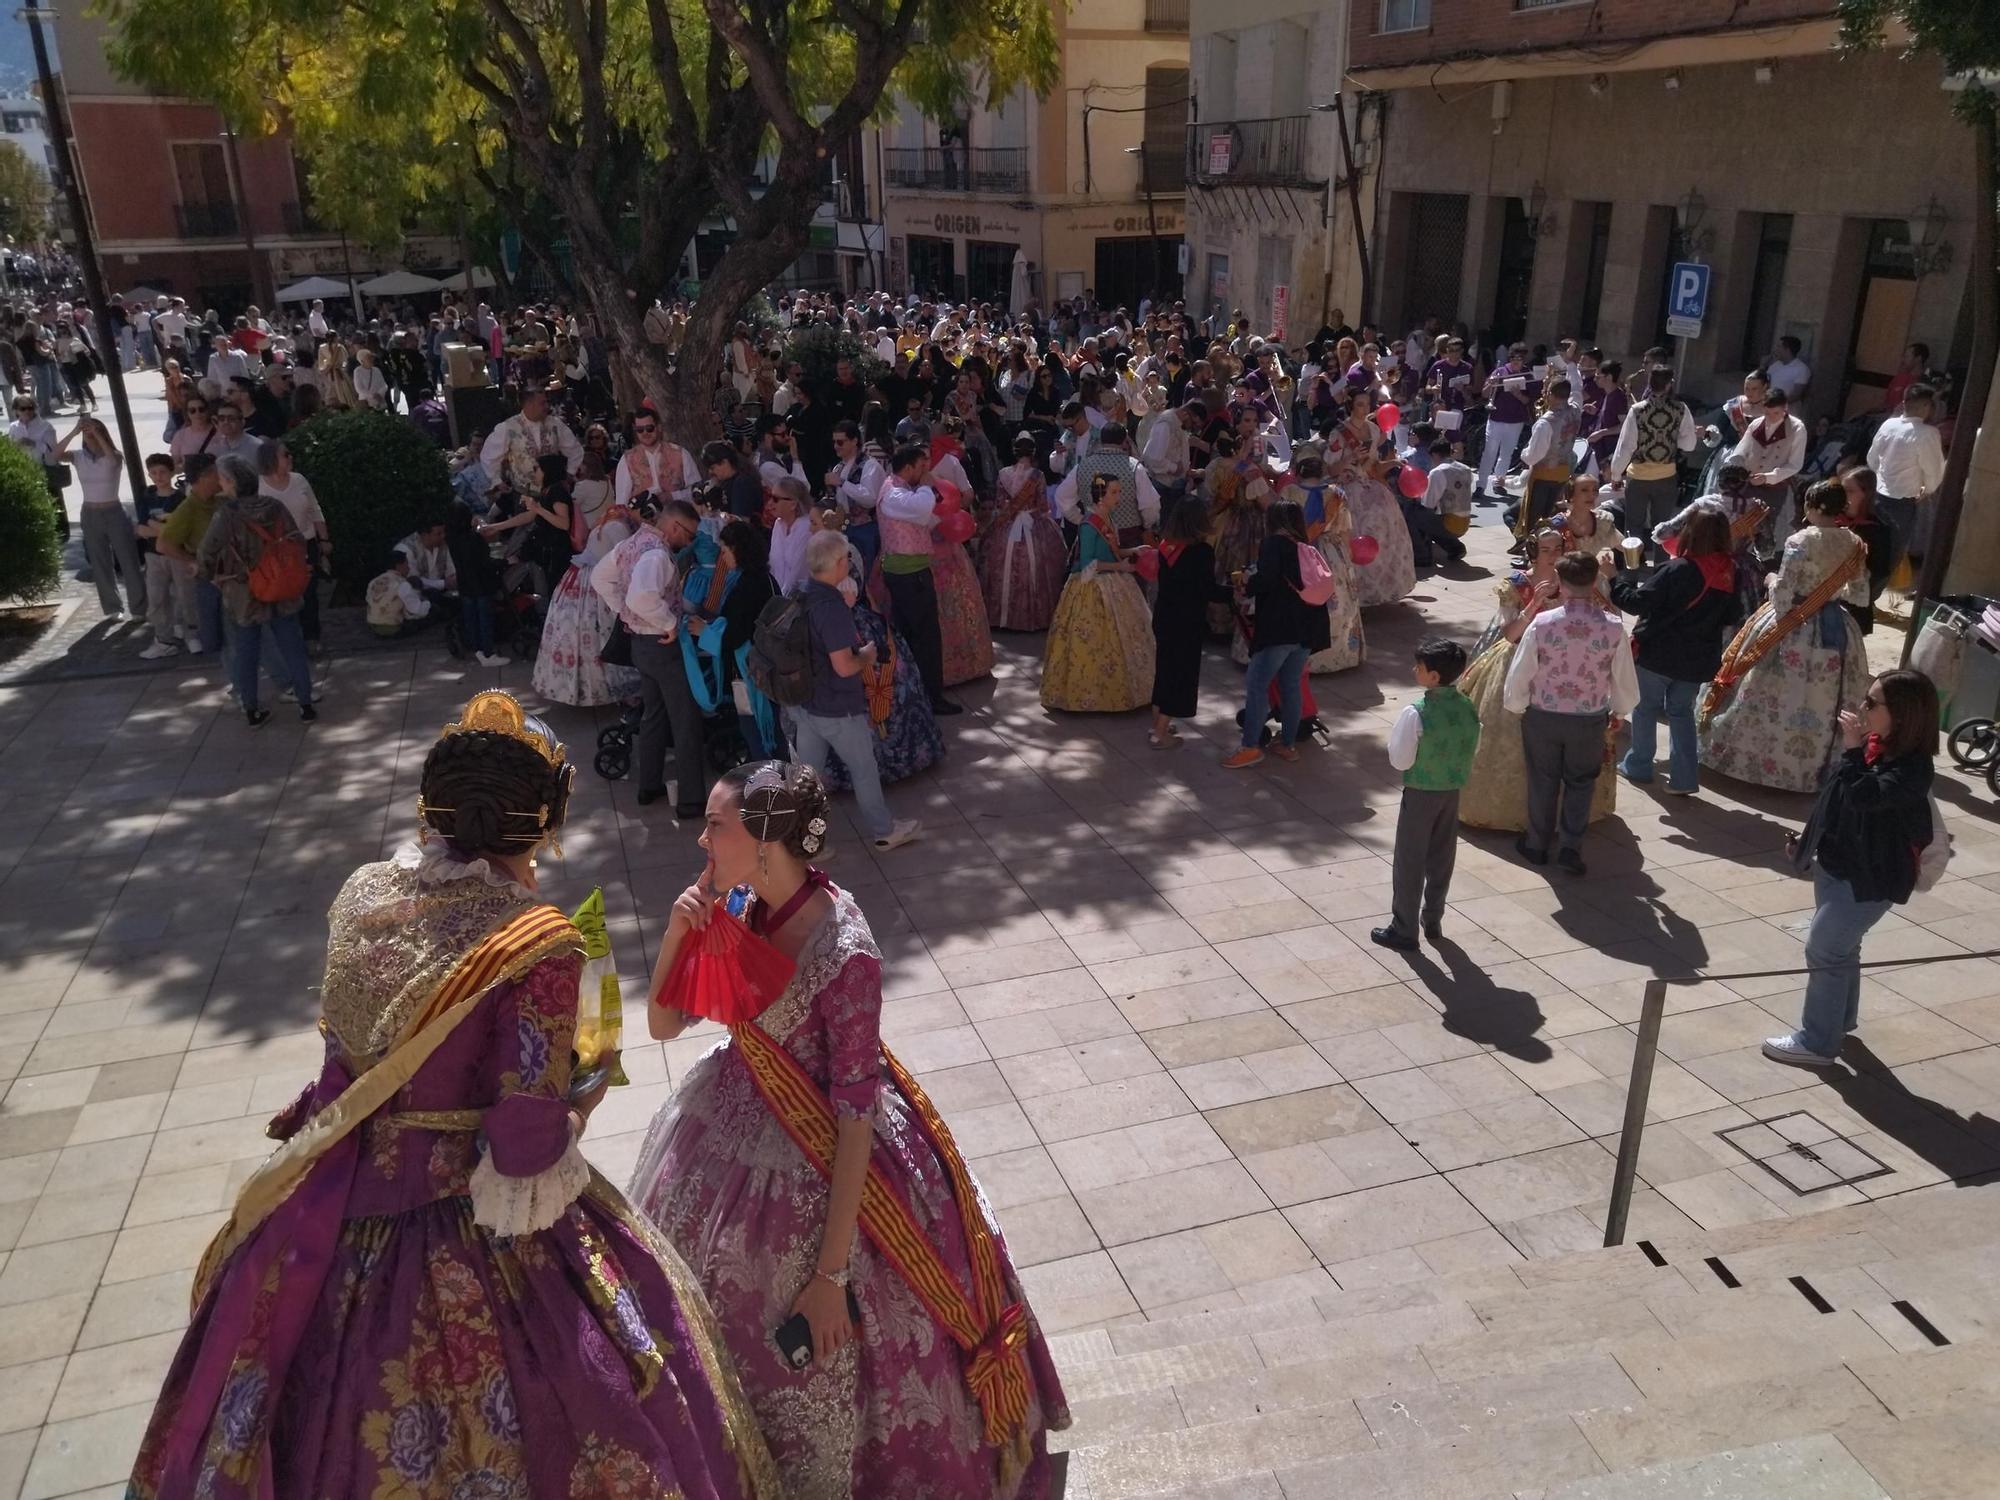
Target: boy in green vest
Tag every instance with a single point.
(1432, 745)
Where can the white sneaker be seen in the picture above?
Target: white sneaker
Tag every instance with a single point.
(1793, 1053)
(159, 651)
(492, 659)
(899, 834)
(195, 648)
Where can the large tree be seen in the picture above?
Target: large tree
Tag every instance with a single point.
(633, 119)
(24, 197)
(1963, 35)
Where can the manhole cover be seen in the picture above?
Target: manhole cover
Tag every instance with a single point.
(1804, 1153)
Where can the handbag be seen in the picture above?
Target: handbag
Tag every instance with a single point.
(617, 648)
(59, 476)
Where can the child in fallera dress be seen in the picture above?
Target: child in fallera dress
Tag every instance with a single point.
(1100, 647)
(1432, 744)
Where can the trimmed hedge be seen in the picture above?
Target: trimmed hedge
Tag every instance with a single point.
(30, 545)
(376, 477)
(820, 346)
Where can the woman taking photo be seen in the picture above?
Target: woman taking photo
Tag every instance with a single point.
(110, 545)
(756, 1171)
(1685, 611)
(425, 1291)
(1284, 633)
(1864, 843)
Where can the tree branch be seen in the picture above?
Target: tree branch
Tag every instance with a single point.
(766, 67)
(666, 53)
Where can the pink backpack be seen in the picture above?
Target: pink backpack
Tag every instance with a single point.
(1315, 577)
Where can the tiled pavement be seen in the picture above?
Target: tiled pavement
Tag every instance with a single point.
(1139, 986)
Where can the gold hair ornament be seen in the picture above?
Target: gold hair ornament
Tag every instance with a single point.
(497, 712)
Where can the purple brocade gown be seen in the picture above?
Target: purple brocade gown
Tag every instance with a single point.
(370, 1339)
(890, 1414)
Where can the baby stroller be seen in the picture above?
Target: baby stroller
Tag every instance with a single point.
(722, 742)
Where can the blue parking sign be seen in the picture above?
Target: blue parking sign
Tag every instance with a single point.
(1687, 296)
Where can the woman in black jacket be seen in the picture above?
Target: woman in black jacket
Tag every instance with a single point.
(1284, 633)
(1686, 611)
(1866, 836)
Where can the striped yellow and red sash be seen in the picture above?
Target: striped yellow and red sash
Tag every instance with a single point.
(1741, 656)
(990, 1331)
(505, 953)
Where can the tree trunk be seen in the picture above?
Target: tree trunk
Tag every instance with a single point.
(1970, 406)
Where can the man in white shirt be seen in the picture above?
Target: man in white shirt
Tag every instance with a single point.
(228, 363)
(1139, 506)
(170, 331)
(1908, 459)
(1166, 452)
(1773, 449)
(1788, 372)
(649, 606)
(652, 464)
(1646, 462)
(316, 322)
(430, 560)
(1571, 675)
(513, 451)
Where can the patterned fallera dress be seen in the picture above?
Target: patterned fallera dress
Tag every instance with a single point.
(373, 1338)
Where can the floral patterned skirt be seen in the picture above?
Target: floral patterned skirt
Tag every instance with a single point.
(1393, 573)
(1099, 658)
(890, 1414)
(439, 1362)
(1496, 793)
(1022, 567)
(968, 640)
(1237, 541)
(567, 669)
(1781, 727)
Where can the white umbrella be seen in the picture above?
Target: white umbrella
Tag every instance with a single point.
(143, 294)
(400, 284)
(1017, 286)
(454, 281)
(313, 289)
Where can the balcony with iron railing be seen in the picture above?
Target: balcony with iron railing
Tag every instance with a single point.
(1269, 152)
(206, 221)
(958, 169)
(1167, 15)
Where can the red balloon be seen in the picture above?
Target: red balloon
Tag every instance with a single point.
(948, 503)
(1364, 550)
(1413, 482)
(1387, 416)
(957, 527)
(1146, 563)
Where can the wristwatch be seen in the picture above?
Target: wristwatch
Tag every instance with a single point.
(839, 1278)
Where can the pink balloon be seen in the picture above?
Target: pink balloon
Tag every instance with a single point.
(1146, 563)
(1413, 482)
(1387, 416)
(948, 503)
(957, 527)
(1364, 550)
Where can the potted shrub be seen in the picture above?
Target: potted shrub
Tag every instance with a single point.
(30, 548)
(376, 477)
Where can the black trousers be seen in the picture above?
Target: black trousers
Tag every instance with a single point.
(309, 609)
(670, 719)
(913, 609)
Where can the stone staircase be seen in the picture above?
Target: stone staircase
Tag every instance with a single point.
(1843, 1355)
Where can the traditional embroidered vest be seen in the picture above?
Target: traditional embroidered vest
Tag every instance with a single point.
(617, 567)
(1573, 672)
(1451, 735)
(385, 604)
(1658, 419)
(1115, 464)
(668, 466)
(905, 544)
(1562, 450)
(525, 446)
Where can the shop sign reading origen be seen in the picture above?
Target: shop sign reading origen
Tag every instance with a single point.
(971, 225)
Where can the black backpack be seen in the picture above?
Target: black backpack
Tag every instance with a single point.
(781, 652)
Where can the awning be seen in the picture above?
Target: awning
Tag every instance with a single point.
(313, 289)
(400, 284)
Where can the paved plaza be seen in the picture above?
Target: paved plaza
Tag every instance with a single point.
(1306, 1214)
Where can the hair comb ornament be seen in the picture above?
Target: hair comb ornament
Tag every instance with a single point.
(769, 806)
(497, 712)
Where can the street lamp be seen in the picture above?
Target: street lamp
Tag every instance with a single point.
(1692, 211)
(1930, 252)
(1541, 218)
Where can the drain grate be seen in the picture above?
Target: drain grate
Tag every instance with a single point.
(1804, 1153)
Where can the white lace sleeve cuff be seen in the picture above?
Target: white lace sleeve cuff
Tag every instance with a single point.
(523, 1205)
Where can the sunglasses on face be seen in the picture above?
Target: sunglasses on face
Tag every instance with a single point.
(647, 430)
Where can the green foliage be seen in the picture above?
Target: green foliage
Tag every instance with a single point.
(820, 346)
(24, 196)
(1964, 35)
(377, 477)
(30, 551)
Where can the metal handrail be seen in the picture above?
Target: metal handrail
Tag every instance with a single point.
(1638, 1091)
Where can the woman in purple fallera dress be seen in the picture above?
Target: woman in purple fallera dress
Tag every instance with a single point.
(882, 1409)
(425, 1292)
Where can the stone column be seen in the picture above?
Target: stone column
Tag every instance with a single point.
(1626, 298)
(1559, 263)
(1819, 305)
(1484, 216)
(1975, 555)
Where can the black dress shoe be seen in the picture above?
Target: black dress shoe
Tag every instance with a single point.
(1532, 856)
(1388, 937)
(647, 799)
(1434, 931)
(1570, 860)
(944, 708)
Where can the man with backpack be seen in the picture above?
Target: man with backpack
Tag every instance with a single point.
(255, 556)
(809, 656)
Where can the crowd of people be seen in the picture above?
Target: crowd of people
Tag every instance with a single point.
(805, 1293)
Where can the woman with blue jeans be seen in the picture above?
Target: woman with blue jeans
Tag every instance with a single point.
(1863, 843)
(1284, 633)
(1686, 611)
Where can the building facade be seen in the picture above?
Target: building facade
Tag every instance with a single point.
(1545, 165)
(1271, 218)
(179, 204)
(1084, 187)
(23, 123)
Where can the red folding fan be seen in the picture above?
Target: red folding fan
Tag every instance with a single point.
(725, 972)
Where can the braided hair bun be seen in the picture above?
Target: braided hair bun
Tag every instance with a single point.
(784, 804)
(491, 794)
